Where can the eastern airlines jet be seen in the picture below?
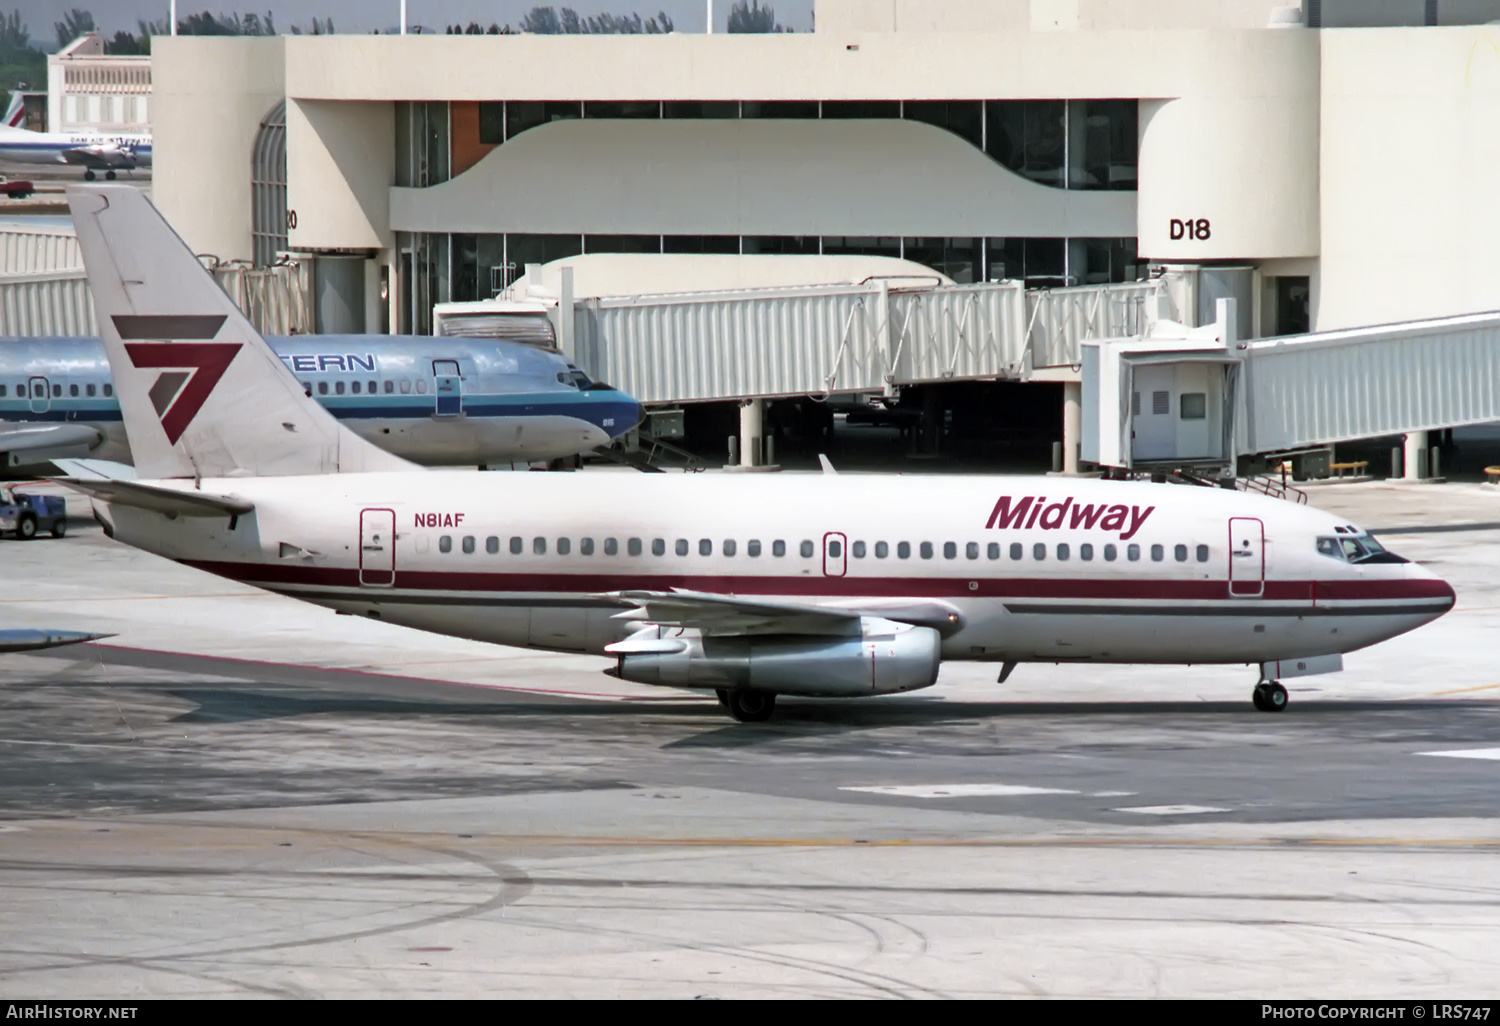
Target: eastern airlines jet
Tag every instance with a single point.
(437, 401)
(750, 586)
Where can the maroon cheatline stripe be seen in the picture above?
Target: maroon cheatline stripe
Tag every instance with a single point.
(833, 587)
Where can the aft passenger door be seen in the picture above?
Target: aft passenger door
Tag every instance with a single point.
(450, 396)
(41, 392)
(1247, 557)
(377, 548)
(835, 555)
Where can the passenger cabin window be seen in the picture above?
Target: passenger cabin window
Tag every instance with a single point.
(971, 550)
(89, 391)
(109, 390)
(1063, 552)
(1109, 553)
(1203, 553)
(729, 547)
(2, 391)
(564, 546)
(57, 391)
(903, 550)
(585, 546)
(468, 545)
(390, 386)
(492, 545)
(372, 387)
(1179, 552)
(516, 545)
(1016, 551)
(611, 546)
(1158, 553)
(807, 549)
(1133, 553)
(993, 550)
(445, 543)
(634, 546)
(539, 546)
(322, 388)
(681, 547)
(857, 550)
(752, 547)
(73, 391)
(338, 388)
(658, 546)
(705, 547)
(1086, 552)
(421, 386)
(882, 550)
(926, 550)
(835, 550)
(1039, 552)
(778, 548)
(405, 386)
(950, 550)
(354, 387)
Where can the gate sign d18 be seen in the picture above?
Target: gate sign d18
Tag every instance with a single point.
(1189, 229)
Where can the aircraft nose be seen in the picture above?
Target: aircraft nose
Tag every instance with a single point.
(1434, 587)
(619, 414)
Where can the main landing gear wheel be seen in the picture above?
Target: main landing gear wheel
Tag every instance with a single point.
(89, 176)
(1269, 697)
(751, 706)
(723, 694)
(110, 175)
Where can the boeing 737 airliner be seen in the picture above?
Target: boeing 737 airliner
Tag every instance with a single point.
(751, 586)
(436, 401)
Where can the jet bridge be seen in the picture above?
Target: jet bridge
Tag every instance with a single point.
(1178, 397)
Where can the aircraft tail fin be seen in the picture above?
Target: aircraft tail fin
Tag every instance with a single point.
(201, 392)
(15, 114)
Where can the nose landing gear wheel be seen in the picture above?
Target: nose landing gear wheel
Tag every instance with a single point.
(751, 706)
(1269, 697)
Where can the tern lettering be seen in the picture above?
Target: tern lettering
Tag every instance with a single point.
(1034, 511)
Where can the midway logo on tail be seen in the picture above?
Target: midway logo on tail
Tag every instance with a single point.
(1031, 511)
(191, 366)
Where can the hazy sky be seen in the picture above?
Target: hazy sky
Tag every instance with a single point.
(363, 15)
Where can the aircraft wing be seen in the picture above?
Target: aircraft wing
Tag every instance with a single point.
(35, 442)
(730, 614)
(170, 501)
(31, 639)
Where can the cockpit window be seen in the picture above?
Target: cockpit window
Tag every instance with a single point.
(1357, 549)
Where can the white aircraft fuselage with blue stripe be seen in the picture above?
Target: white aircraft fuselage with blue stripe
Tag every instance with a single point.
(434, 401)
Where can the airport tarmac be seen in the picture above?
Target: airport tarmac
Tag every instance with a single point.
(242, 795)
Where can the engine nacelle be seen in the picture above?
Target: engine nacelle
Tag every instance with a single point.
(884, 657)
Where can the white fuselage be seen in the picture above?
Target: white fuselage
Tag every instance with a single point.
(1087, 570)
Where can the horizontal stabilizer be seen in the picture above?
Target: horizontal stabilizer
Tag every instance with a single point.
(31, 639)
(38, 443)
(169, 501)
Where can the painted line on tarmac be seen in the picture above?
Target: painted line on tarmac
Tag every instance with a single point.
(1463, 691)
(1172, 810)
(957, 790)
(1491, 754)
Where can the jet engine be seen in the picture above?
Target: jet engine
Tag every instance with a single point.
(881, 657)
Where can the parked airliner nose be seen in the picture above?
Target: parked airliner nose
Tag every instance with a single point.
(614, 412)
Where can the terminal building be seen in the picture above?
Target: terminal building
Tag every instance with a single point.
(1333, 162)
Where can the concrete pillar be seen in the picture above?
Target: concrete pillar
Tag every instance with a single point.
(1414, 456)
(565, 312)
(752, 415)
(1072, 425)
